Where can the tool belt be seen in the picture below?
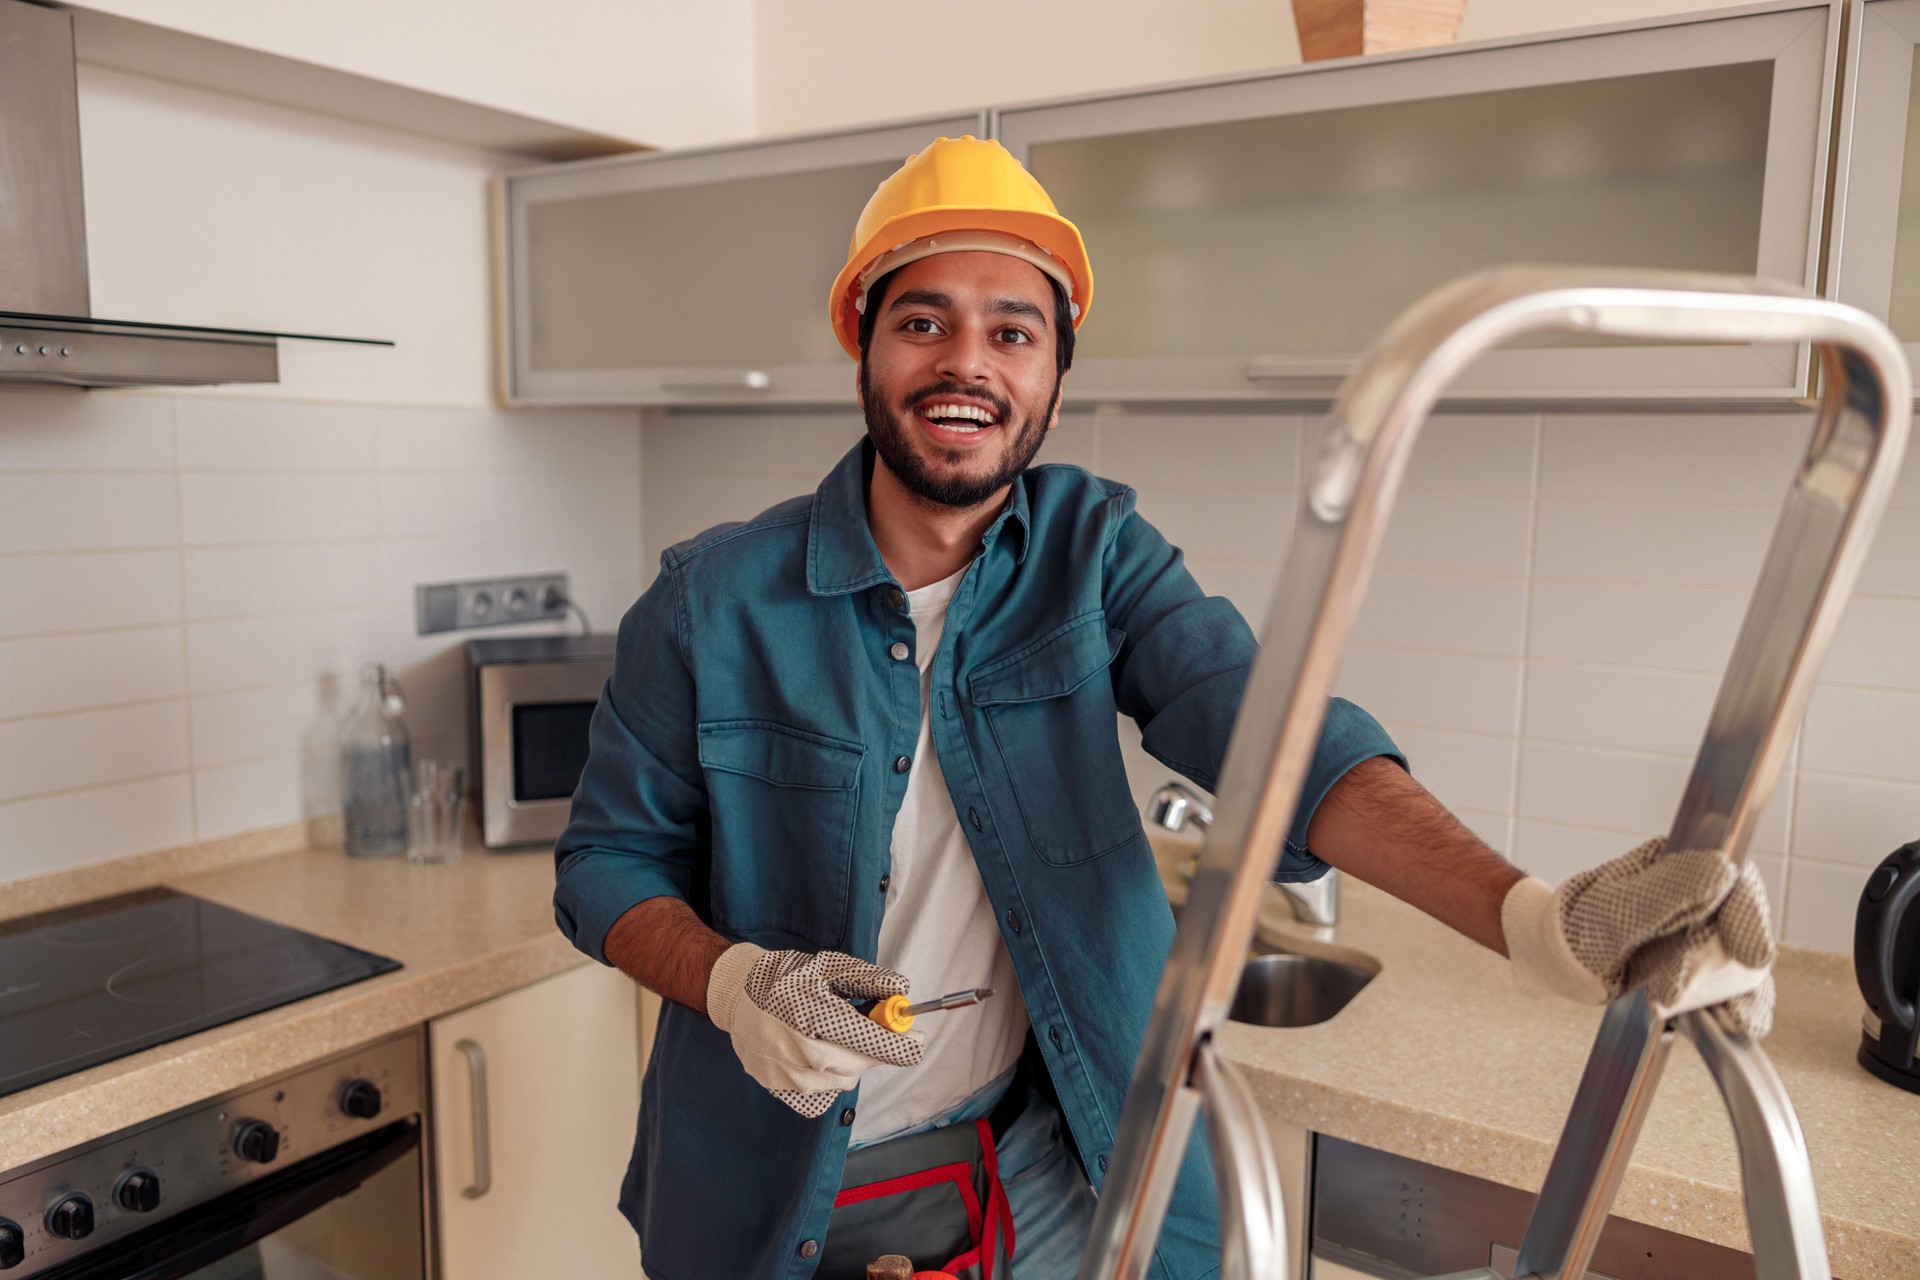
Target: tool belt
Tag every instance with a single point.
(934, 1197)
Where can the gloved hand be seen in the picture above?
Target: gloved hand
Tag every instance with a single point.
(792, 1025)
(1688, 928)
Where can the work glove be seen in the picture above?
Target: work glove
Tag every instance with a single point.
(793, 1028)
(1688, 928)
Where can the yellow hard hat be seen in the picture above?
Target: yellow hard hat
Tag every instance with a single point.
(958, 194)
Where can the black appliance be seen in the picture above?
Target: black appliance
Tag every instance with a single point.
(86, 984)
(316, 1173)
(1886, 960)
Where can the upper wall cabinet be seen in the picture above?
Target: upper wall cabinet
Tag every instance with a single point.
(690, 276)
(1250, 237)
(1875, 253)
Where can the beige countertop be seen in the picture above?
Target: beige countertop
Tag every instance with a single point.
(1437, 1058)
(463, 932)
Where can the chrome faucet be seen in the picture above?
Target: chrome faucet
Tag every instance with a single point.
(1175, 807)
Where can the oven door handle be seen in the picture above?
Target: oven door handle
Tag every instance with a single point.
(184, 1243)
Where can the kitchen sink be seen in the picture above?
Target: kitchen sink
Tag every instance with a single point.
(1286, 990)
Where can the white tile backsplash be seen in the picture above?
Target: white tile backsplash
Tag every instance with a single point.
(1549, 618)
(1552, 608)
(87, 511)
(190, 584)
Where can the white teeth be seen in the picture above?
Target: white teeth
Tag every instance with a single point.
(968, 412)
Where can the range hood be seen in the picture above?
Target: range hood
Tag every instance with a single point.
(47, 332)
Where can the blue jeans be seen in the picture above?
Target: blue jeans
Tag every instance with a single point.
(1052, 1200)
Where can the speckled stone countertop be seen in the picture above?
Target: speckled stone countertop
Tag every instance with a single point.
(464, 932)
(1440, 1059)
(1437, 1058)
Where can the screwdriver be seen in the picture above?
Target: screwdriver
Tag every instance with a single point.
(895, 1014)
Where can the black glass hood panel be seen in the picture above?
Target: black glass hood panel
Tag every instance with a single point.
(94, 982)
(38, 320)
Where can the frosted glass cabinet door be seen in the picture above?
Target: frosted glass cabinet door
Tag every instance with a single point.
(1250, 237)
(1875, 251)
(696, 276)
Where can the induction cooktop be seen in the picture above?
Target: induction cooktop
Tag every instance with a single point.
(86, 984)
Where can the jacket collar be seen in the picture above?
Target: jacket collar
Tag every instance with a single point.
(841, 555)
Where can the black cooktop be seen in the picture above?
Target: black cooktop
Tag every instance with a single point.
(90, 983)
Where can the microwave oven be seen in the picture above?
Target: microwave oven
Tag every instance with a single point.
(530, 700)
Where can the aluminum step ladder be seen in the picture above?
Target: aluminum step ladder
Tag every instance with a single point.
(1834, 503)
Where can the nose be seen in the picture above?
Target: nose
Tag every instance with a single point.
(965, 357)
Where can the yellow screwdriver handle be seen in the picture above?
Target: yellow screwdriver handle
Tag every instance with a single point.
(892, 1014)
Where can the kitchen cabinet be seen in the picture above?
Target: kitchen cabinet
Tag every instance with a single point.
(696, 276)
(535, 1094)
(1251, 236)
(1875, 250)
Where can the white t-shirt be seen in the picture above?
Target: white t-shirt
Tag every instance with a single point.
(939, 930)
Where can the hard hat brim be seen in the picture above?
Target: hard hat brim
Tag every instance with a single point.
(1049, 232)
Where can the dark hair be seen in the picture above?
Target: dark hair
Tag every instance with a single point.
(1062, 319)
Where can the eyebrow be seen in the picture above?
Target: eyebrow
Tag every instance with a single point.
(942, 301)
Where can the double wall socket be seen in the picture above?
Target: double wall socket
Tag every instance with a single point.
(489, 602)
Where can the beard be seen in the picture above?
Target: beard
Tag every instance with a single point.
(891, 435)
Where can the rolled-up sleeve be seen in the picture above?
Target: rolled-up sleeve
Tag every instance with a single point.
(1181, 673)
(639, 827)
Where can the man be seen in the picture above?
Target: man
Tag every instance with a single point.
(879, 724)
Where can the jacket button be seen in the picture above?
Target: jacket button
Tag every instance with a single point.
(896, 598)
(1013, 920)
(846, 1117)
(886, 882)
(809, 1247)
(899, 650)
(903, 764)
(1103, 1164)
(973, 816)
(1053, 1034)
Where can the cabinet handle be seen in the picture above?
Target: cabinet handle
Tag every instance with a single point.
(482, 1142)
(720, 380)
(1299, 368)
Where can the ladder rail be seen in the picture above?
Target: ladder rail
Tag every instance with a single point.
(1859, 439)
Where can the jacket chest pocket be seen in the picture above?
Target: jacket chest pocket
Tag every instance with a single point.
(1050, 710)
(785, 806)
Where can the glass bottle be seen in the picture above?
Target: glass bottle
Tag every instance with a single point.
(376, 768)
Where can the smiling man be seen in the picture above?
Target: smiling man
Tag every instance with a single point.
(868, 739)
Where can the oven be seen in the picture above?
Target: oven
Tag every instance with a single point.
(529, 702)
(315, 1175)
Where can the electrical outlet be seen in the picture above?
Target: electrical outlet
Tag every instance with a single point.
(489, 602)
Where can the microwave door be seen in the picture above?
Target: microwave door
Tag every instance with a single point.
(533, 746)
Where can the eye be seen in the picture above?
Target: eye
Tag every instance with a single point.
(1014, 337)
(921, 324)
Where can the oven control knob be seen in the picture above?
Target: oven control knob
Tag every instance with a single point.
(13, 1244)
(256, 1141)
(71, 1217)
(361, 1099)
(138, 1191)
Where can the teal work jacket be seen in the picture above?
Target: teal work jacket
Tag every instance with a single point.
(750, 753)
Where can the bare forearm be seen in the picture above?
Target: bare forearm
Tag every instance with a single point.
(662, 945)
(1380, 825)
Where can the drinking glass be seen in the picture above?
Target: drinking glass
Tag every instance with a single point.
(434, 811)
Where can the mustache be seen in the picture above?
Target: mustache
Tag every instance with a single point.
(1002, 410)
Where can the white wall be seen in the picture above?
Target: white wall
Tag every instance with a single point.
(1555, 602)
(820, 66)
(191, 580)
(208, 209)
(653, 71)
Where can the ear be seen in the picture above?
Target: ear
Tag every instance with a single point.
(1059, 394)
(859, 384)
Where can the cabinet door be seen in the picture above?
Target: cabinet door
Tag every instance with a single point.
(691, 277)
(1250, 237)
(535, 1095)
(1875, 250)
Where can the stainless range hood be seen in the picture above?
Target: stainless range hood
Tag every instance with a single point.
(47, 334)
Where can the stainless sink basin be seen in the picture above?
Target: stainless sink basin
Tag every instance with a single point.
(1294, 990)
